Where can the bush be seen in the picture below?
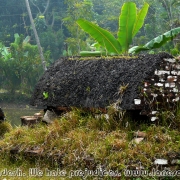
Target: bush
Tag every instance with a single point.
(22, 67)
(4, 128)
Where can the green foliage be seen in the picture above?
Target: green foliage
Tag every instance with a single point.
(129, 24)
(92, 53)
(156, 42)
(76, 9)
(72, 47)
(22, 68)
(40, 22)
(174, 51)
(103, 37)
(4, 128)
(178, 46)
(126, 23)
(45, 95)
(62, 15)
(53, 42)
(5, 52)
(94, 141)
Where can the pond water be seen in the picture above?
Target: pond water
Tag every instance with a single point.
(13, 114)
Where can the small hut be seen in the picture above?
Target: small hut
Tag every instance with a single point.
(146, 83)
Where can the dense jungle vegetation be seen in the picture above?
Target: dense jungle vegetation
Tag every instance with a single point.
(59, 34)
(79, 140)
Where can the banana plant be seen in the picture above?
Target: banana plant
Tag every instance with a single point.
(102, 36)
(4, 52)
(156, 42)
(130, 22)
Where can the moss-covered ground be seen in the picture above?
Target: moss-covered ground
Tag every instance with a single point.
(79, 143)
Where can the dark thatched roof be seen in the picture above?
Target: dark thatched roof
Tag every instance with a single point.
(94, 83)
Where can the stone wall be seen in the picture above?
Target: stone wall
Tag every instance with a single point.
(161, 91)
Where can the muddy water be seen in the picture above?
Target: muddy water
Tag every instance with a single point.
(13, 114)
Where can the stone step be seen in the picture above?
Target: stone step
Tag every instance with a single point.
(30, 121)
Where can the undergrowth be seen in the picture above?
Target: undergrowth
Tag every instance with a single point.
(83, 141)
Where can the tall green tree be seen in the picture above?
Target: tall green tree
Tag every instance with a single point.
(20, 65)
(49, 25)
(76, 9)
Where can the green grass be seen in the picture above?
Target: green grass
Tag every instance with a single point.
(79, 141)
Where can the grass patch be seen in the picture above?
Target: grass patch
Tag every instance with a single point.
(80, 141)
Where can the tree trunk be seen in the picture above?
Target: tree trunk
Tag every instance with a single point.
(36, 35)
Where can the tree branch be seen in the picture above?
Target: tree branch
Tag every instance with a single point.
(36, 35)
(36, 6)
(47, 6)
(52, 24)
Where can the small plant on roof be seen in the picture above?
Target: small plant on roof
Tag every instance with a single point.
(45, 95)
(130, 22)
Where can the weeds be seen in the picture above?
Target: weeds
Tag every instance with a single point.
(79, 140)
(4, 128)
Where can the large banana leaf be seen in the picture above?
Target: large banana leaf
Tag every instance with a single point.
(5, 53)
(136, 49)
(102, 36)
(17, 38)
(156, 42)
(26, 40)
(162, 39)
(140, 19)
(126, 24)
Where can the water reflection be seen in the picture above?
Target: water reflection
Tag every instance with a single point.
(13, 114)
